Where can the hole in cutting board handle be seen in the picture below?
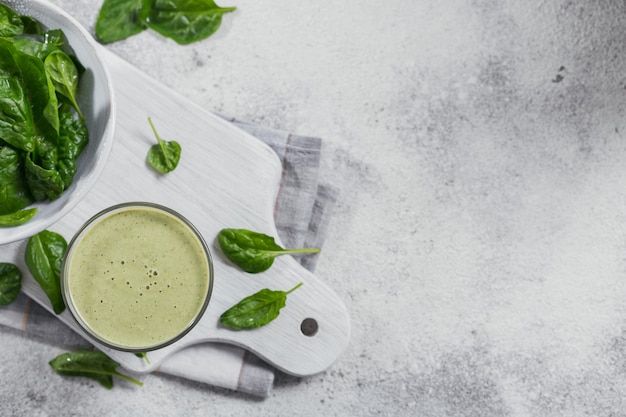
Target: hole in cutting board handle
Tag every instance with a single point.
(309, 327)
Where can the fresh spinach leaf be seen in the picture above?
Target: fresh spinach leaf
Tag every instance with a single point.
(89, 364)
(73, 137)
(75, 130)
(11, 23)
(163, 156)
(17, 126)
(40, 46)
(40, 94)
(33, 47)
(252, 251)
(44, 181)
(54, 37)
(31, 25)
(184, 21)
(14, 193)
(44, 255)
(64, 75)
(17, 218)
(256, 310)
(119, 19)
(66, 164)
(10, 283)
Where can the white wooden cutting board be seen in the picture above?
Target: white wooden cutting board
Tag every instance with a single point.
(225, 178)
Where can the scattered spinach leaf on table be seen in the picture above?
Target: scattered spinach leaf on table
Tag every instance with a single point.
(90, 364)
(256, 310)
(119, 19)
(183, 21)
(10, 282)
(44, 256)
(163, 156)
(253, 251)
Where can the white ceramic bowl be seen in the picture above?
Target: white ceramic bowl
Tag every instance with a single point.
(97, 105)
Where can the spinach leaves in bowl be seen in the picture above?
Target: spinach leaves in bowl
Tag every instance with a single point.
(42, 130)
(53, 165)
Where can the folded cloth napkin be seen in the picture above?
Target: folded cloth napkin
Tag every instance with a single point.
(302, 212)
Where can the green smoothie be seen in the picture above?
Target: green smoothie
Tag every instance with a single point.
(137, 278)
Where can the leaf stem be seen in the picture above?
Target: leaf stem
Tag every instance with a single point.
(153, 129)
(294, 288)
(144, 356)
(129, 379)
(161, 144)
(117, 374)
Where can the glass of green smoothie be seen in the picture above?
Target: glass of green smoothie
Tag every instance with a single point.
(137, 277)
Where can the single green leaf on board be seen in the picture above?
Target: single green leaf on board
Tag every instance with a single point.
(119, 19)
(253, 252)
(89, 364)
(44, 256)
(10, 283)
(163, 156)
(184, 21)
(17, 218)
(256, 310)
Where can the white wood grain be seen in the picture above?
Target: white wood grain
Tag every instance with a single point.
(226, 178)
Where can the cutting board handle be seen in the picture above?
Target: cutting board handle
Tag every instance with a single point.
(311, 331)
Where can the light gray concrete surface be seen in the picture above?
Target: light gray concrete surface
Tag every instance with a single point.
(480, 237)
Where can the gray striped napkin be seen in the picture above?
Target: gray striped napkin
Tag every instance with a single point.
(302, 213)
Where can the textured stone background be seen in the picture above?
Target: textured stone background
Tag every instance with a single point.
(480, 238)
